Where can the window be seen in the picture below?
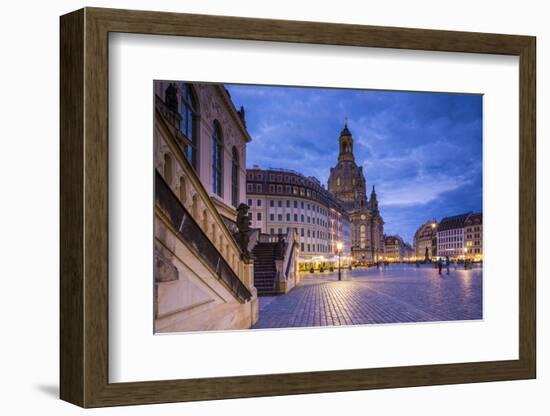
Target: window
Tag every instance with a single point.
(272, 230)
(302, 232)
(168, 168)
(301, 246)
(288, 217)
(302, 217)
(288, 189)
(188, 112)
(279, 204)
(280, 217)
(302, 206)
(259, 216)
(235, 170)
(249, 202)
(363, 235)
(295, 217)
(295, 204)
(271, 217)
(258, 187)
(183, 192)
(338, 181)
(288, 203)
(217, 156)
(279, 189)
(272, 203)
(259, 202)
(271, 188)
(249, 187)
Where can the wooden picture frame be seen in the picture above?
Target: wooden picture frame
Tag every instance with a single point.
(84, 207)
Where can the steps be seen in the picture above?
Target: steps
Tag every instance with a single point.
(264, 268)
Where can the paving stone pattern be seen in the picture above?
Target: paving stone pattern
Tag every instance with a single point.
(397, 294)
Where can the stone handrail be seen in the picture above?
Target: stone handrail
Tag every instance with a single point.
(253, 238)
(289, 252)
(188, 229)
(268, 238)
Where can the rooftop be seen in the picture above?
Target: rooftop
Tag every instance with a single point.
(450, 223)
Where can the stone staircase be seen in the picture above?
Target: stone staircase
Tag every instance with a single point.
(265, 274)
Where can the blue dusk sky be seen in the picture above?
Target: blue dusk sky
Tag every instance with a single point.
(422, 151)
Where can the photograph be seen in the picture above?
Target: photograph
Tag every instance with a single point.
(293, 207)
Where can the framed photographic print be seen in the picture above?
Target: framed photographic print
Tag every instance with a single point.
(256, 207)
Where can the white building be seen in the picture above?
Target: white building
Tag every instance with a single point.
(280, 199)
(450, 236)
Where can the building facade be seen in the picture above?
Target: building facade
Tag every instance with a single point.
(348, 184)
(450, 236)
(473, 237)
(203, 279)
(425, 241)
(408, 252)
(280, 199)
(395, 248)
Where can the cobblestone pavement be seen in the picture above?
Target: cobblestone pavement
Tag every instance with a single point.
(400, 293)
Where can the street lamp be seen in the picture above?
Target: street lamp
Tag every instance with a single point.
(339, 246)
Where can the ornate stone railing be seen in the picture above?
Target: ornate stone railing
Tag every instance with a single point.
(171, 116)
(189, 231)
(268, 238)
(253, 238)
(289, 254)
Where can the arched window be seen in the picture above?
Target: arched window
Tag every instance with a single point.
(338, 181)
(217, 157)
(168, 168)
(188, 126)
(183, 190)
(235, 170)
(362, 235)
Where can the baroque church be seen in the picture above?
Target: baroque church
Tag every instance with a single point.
(347, 183)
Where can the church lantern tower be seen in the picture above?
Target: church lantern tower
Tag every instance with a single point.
(347, 182)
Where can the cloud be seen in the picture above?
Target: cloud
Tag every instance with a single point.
(422, 150)
(420, 190)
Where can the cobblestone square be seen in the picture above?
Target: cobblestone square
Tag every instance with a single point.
(396, 294)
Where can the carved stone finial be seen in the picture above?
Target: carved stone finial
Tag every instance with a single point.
(171, 97)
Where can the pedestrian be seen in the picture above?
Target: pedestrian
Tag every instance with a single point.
(448, 264)
(439, 265)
